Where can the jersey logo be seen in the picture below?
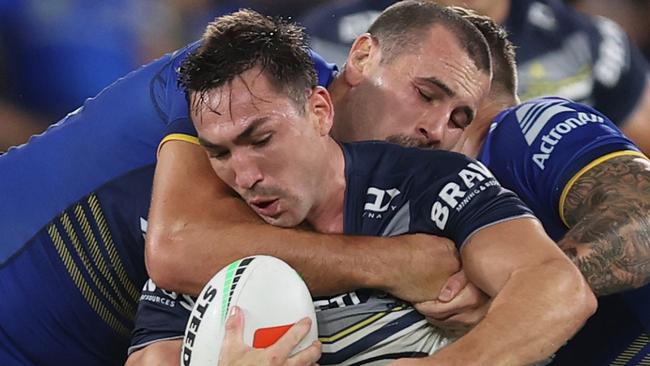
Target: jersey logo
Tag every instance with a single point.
(475, 178)
(340, 301)
(377, 203)
(555, 135)
(164, 297)
(534, 116)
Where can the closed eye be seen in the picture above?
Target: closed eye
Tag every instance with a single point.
(262, 142)
(220, 155)
(424, 96)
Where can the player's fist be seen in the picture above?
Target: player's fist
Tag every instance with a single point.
(460, 306)
(422, 264)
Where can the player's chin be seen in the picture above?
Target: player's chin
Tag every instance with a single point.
(283, 219)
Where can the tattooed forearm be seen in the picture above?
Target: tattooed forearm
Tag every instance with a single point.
(608, 210)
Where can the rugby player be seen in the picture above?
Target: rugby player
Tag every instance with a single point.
(614, 258)
(590, 187)
(560, 52)
(251, 119)
(252, 138)
(74, 214)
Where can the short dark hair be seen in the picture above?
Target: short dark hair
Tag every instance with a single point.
(403, 25)
(504, 66)
(235, 43)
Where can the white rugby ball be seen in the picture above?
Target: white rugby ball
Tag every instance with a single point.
(271, 295)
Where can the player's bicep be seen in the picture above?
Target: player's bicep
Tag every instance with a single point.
(494, 253)
(616, 181)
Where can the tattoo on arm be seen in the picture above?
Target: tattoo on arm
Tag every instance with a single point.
(608, 210)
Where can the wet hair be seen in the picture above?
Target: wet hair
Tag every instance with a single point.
(404, 25)
(235, 43)
(504, 66)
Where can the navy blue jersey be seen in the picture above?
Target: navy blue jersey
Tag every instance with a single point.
(565, 53)
(559, 50)
(72, 215)
(391, 190)
(538, 150)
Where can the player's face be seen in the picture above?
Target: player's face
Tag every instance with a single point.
(424, 97)
(261, 145)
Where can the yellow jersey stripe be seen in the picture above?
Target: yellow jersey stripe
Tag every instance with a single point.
(632, 350)
(85, 261)
(586, 168)
(126, 308)
(178, 137)
(116, 261)
(81, 284)
(360, 325)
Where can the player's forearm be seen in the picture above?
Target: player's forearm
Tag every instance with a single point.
(609, 213)
(188, 258)
(185, 258)
(535, 313)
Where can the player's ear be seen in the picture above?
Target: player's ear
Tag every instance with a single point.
(358, 58)
(322, 109)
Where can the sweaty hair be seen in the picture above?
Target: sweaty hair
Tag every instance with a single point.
(404, 25)
(504, 66)
(235, 43)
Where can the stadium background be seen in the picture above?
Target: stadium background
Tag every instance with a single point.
(56, 53)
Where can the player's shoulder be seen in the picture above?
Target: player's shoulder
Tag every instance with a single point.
(534, 114)
(379, 158)
(533, 108)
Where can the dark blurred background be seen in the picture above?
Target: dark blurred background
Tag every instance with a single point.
(56, 53)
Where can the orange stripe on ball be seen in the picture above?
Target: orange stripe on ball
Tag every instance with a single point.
(265, 337)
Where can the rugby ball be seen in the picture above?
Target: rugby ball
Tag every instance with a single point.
(271, 295)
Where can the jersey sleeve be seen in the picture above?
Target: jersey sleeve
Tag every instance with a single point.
(619, 71)
(539, 147)
(462, 199)
(162, 315)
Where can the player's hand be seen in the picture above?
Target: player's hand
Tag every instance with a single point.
(236, 352)
(460, 306)
(421, 267)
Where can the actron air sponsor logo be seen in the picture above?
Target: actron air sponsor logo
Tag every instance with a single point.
(555, 135)
(532, 117)
(457, 194)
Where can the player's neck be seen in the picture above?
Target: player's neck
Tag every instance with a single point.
(338, 89)
(327, 214)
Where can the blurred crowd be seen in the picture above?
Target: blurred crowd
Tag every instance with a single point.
(54, 54)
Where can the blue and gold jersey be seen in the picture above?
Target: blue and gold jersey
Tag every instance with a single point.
(391, 190)
(72, 218)
(538, 150)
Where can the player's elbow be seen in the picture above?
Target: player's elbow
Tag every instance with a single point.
(164, 263)
(587, 300)
(580, 302)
